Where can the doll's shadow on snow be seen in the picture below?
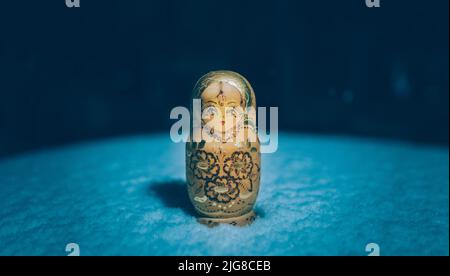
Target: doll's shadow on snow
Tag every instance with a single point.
(173, 194)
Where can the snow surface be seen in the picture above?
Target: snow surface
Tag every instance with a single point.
(319, 196)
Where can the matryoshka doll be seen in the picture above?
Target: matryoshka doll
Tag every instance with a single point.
(223, 167)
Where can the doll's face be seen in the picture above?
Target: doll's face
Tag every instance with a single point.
(221, 106)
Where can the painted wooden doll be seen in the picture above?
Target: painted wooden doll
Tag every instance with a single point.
(223, 166)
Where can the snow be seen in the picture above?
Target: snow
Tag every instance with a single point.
(320, 195)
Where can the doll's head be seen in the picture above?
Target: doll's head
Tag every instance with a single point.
(226, 97)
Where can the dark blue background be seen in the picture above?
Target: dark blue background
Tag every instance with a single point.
(118, 67)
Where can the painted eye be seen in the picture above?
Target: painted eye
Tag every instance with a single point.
(210, 112)
(232, 112)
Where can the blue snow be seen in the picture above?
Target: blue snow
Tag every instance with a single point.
(320, 195)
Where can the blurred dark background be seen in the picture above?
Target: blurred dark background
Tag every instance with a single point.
(116, 67)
